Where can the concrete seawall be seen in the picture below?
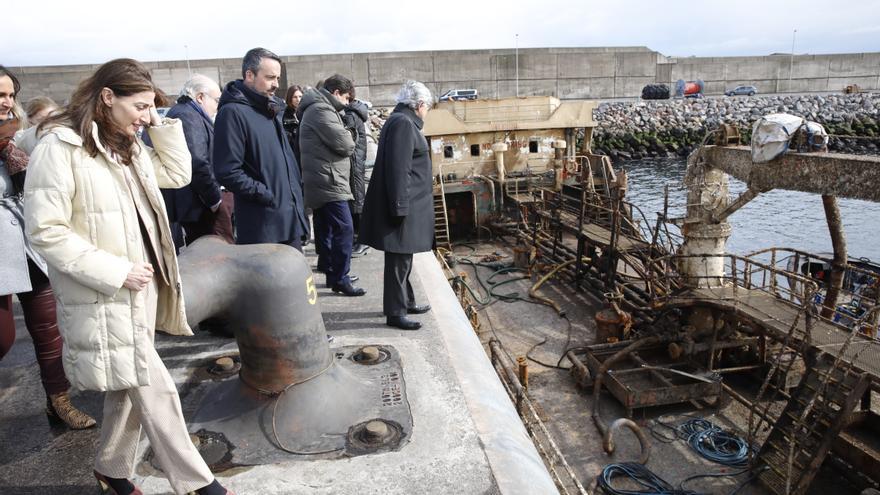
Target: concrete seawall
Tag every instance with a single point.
(568, 73)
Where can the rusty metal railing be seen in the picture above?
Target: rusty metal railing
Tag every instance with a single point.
(860, 292)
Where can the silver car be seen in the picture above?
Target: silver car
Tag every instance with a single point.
(742, 90)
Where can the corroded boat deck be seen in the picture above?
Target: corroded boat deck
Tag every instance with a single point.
(777, 317)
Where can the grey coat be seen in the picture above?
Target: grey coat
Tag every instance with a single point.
(14, 278)
(398, 212)
(326, 147)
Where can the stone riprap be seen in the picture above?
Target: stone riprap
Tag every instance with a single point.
(644, 129)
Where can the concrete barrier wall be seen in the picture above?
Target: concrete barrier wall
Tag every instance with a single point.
(600, 73)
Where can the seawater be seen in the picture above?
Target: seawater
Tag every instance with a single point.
(775, 218)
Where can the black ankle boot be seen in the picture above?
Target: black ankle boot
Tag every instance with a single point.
(215, 488)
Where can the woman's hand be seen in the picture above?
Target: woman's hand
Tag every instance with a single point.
(139, 276)
(155, 119)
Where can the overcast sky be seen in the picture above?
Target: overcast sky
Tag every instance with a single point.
(53, 32)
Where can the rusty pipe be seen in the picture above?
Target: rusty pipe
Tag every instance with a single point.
(838, 265)
(608, 438)
(597, 388)
(267, 293)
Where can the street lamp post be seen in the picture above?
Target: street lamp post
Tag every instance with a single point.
(186, 54)
(516, 57)
(791, 60)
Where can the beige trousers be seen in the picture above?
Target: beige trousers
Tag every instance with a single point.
(156, 409)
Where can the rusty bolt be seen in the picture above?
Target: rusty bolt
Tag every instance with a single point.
(225, 364)
(376, 431)
(370, 353)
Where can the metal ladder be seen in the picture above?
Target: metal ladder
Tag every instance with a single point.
(817, 411)
(441, 220)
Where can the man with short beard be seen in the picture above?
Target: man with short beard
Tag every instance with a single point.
(253, 159)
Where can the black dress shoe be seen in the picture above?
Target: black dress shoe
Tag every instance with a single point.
(353, 278)
(417, 310)
(348, 289)
(359, 249)
(402, 322)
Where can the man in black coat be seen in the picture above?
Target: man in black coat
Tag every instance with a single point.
(200, 208)
(253, 158)
(398, 215)
(355, 116)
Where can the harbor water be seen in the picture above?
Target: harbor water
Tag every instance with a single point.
(775, 218)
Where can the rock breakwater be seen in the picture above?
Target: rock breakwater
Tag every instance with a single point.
(642, 129)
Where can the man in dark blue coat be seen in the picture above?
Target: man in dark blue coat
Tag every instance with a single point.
(199, 207)
(253, 158)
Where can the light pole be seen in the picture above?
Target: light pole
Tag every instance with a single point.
(791, 60)
(186, 54)
(516, 57)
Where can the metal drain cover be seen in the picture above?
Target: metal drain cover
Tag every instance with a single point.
(214, 448)
(375, 435)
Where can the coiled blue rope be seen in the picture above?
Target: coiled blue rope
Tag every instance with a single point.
(714, 443)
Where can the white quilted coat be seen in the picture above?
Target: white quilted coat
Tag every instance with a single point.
(80, 215)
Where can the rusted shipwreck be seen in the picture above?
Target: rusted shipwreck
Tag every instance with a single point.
(683, 315)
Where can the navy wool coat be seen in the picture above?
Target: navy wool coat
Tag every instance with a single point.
(398, 214)
(188, 203)
(253, 159)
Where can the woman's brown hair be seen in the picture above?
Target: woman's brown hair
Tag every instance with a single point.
(290, 92)
(123, 76)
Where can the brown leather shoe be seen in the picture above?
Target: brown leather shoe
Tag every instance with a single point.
(60, 411)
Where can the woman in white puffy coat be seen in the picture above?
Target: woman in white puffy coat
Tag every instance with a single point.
(94, 211)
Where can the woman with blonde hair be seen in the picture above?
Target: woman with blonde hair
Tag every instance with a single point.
(94, 211)
(38, 108)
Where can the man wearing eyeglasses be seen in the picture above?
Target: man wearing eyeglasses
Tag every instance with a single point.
(199, 208)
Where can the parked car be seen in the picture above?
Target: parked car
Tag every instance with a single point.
(459, 94)
(742, 90)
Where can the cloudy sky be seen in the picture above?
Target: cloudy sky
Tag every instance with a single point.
(52, 32)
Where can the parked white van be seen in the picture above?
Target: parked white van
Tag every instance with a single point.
(459, 94)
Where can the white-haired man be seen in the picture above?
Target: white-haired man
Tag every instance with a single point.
(398, 215)
(199, 208)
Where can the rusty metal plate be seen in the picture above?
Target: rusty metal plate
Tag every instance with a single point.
(310, 420)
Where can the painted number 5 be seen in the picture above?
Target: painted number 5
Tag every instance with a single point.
(311, 292)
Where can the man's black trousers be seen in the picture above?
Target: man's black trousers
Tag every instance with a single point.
(397, 291)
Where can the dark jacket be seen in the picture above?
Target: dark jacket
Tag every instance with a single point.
(326, 147)
(291, 126)
(189, 202)
(253, 159)
(355, 116)
(398, 212)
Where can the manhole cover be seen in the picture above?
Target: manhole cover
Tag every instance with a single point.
(371, 354)
(214, 448)
(375, 435)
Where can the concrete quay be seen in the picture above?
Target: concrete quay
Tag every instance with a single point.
(466, 437)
